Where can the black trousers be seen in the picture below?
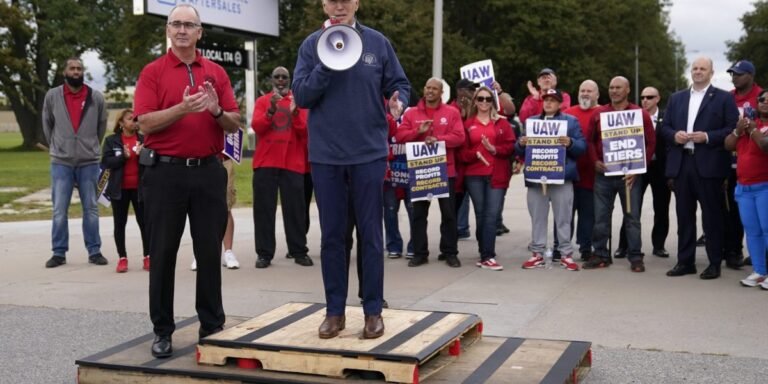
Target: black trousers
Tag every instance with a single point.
(172, 193)
(448, 230)
(120, 208)
(734, 230)
(661, 198)
(266, 184)
(689, 188)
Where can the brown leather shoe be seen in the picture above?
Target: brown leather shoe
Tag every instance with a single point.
(374, 327)
(331, 326)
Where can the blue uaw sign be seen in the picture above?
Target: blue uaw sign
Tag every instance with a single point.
(427, 170)
(544, 155)
(623, 142)
(233, 145)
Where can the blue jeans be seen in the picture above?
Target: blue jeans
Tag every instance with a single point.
(487, 203)
(462, 216)
(606, 188)
(753, 208)
(63, 179)
(394, 242)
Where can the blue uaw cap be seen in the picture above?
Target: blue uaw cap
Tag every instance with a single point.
(741, 67)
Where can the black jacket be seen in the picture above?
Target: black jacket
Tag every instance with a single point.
(112, 158)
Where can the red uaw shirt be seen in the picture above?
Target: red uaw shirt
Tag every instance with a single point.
(161, 86)
(750, 97)
(585, 164)
(75, 102)
(751, 160)
(501, 136)
(282, 138)
(131, 167)
(446, 126)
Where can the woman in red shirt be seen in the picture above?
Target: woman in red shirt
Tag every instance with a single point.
(120, 155)
(489, 144)
(750, 141)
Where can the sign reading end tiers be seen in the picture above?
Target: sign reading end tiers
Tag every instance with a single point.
(252, 17)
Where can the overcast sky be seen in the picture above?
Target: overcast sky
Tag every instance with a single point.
(702, 25)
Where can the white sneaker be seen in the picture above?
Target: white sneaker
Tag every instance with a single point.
(193, 267)
(753, 280)
(230, 261)
(764, 284)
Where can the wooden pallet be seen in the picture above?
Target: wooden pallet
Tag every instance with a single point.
(490, 359)
(285, 339)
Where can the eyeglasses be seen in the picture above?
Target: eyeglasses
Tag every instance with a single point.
(280, 77)
(186, 24)
(648, 97)
(486, 99)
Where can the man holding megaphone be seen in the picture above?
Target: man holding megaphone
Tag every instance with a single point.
(344, 87)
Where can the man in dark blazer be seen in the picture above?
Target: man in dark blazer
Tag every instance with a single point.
(695, 125)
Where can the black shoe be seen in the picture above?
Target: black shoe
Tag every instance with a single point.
(441, 257)
(162, 347)
(452, 261)
(262, 263)
(661, 252)
(586, 255)
(734, 260)
(747, 261)
(463, 235)
(304, 261)
(97, 259)
(288, 256)
(55, 261)
(417, 261)
(680, 270)
(712, 272)
(556, 255)
(203, 333)
(504, 228)
(620, 253)
(499, 232)
(701, 241)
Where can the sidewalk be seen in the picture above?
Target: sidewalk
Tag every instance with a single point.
(613, 308)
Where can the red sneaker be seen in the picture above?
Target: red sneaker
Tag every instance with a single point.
(534, 261)
(568, 263)
(122, 265)
(146, 263)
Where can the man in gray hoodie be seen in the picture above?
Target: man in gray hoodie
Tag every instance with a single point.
(74, 121)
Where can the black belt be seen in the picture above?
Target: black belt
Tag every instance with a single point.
(189, 162)
(688, 151)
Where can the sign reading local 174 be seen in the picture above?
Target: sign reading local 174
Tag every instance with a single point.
(623, 142)
(427, 170)
(544, 155)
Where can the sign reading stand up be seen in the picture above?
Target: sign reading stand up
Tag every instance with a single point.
(251, 17)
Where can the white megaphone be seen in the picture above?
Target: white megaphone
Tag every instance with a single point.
(339, 46)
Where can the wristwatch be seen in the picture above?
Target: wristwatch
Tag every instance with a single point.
(217, 115)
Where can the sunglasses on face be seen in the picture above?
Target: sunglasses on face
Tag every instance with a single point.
(280, 77)
(647, 97)
(763, 99)
(486, 99)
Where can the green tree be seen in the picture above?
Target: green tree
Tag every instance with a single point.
(753, 45)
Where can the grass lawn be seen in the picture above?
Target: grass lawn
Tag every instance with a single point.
(30, 171)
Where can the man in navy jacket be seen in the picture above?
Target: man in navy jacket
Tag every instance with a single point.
(695, 126)
(348, 152)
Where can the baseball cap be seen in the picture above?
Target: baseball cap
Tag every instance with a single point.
(466, 84)
(742, 67)
(553, 93)
(546, 71)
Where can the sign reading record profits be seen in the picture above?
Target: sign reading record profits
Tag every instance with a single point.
(252, 17)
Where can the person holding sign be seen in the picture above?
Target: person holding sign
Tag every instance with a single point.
(556, 142)
(486, 151)
(279, 163)
(623, 141)
(695, 126)
(348, 152)
(430, 122)
(533, 104)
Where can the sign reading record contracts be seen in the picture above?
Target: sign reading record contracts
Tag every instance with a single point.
(251, 17)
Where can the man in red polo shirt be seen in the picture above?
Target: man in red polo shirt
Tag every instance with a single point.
(184, 104)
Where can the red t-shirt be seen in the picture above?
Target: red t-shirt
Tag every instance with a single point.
(751, 160)
(585, 164)
(282, 138)
(75, 102)
(131, 167)
(161, 86)
(751, 97)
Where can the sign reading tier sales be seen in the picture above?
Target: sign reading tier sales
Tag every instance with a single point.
(623, 142)
(252, 17)
(544, 155)
(427, 170)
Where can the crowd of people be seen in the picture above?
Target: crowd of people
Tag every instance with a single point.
(332, 133)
